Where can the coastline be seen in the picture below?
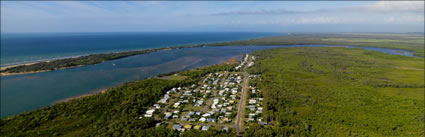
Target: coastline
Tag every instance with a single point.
(151, 50)
(96, 58)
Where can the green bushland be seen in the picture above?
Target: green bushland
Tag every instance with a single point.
(411, 42)
(330, 91)
(113, 113)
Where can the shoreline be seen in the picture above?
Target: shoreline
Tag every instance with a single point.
(102, 91)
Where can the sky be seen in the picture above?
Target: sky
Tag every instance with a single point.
(212, 16)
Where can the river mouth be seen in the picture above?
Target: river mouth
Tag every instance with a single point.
(23, 93)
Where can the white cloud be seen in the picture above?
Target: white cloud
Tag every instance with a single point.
(378, 7)
(312, 20)
(396, 6)
(404, 19)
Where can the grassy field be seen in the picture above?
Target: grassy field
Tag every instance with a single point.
(340, 92)
(411, 42)
(174, 77)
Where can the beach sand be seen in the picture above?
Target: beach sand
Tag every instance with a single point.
(84, 95)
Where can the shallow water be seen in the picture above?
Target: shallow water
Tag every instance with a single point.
(27, 92)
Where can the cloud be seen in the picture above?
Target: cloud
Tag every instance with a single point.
(404, 19)
(395, 6)
(259, 12)
(311, 20)
(378, 7)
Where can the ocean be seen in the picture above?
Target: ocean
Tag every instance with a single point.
(20, 48)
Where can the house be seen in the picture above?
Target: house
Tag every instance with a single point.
(206, 115)
(197, 127)
(188, 126)
(251, 107)
(167, 115)
(150, 112)
(223, 110)
(234, 90)
(230, 108)
(177, 127)
(190, 113)
(156, 106)
(252, 101)
(202, 119)
(176, 105)
(184, 119)
(260, 108)
(175, 116)
(259, 119)
(258, 112)
(192, 119)
(205, 128)
(213, 120)
(162, 101)
(225, 129)
(226, 119)
(158, 124)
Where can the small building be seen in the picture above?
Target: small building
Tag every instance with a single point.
(205, 128)
(157, 106)
(202, 119)
(177, 127)
(225, 129)
(188, 126)
(150, 112)
(175, 116)
(252, 101)
(212, 120)
(192, 119)
(197, 127)
(251, 107)
(230, 108)
(176, 105)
